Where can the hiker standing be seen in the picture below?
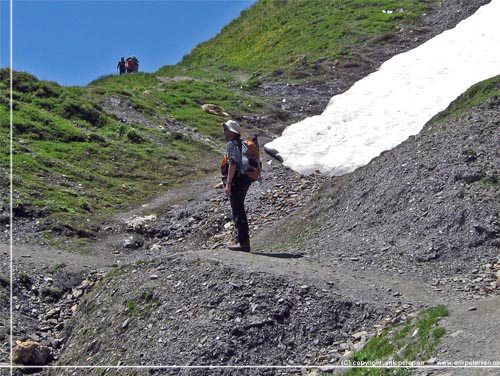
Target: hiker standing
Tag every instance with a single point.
(236, 184)
(121, 65)
(132, 64)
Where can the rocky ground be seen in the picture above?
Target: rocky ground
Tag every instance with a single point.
(414, 229)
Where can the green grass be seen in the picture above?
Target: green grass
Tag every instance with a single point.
(143, 305)
(291, 37)
(488, 90)
(131, 306)
(181, 100)
(414, 341)
(72, 160)
(74, 163)
(148, 295)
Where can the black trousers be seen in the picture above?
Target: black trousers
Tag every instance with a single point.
(239, 191)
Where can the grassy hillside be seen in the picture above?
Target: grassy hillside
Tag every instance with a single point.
(178, 99)
(72, 159)
(295, 37)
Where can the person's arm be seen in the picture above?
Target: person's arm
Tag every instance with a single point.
(230, 176)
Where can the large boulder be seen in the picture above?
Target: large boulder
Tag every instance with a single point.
(31, 353)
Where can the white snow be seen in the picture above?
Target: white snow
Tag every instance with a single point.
(383, 109)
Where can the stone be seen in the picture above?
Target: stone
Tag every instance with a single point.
(125, 324)
(133, 242)
(457, 334)
(31, 353)
(140, 223)
(359, 335)
(214, 109)
(53, 313)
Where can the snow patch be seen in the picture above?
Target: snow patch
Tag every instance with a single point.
(383, 109)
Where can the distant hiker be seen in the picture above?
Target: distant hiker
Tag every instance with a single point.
(132, 64)
(122, 66)
(236, 184)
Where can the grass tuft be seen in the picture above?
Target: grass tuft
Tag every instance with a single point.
(414, 341)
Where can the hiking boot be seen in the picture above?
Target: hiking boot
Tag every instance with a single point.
(242, 247)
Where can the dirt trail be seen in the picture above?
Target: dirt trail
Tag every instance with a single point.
(470, 333)
(38, 254)
(359, 285)
(111, 239)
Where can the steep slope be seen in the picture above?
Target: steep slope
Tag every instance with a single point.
(429, 208)
(383, 109)
(138, 116)
(294, 40)
(72, 159)
(302, 37)
(415, 228)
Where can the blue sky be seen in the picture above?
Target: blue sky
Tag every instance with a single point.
(73, 42)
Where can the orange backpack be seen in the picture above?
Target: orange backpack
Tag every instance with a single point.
(250, 160)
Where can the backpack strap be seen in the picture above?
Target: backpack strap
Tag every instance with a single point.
(239, 166)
